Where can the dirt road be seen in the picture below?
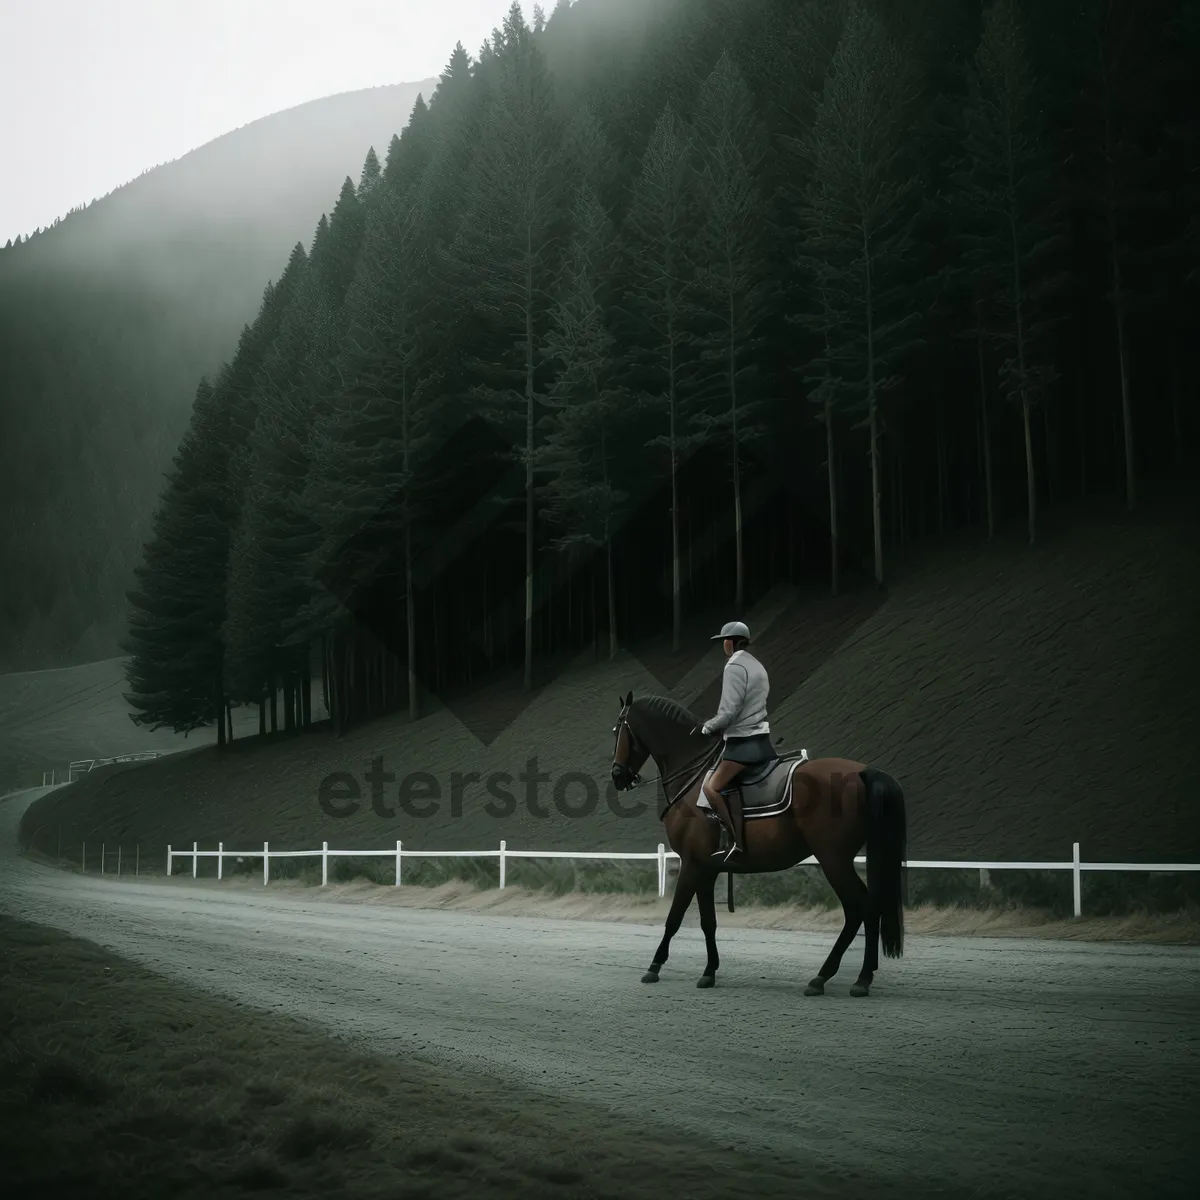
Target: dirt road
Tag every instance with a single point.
(1005, 1066)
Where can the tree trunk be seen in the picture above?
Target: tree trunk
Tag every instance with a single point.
(1023, 379)
(1083, 432)
(1176, 388)
(274, 703)
(676, 603)
(1123, 364)
(1115, 263)
(737, 480)
(219, 696)
(941, 463)
(1048, 450)
(528, 461)
(1030, 492)
(873, 409)
(410, 623)
(876, 506)
(262, 716)
(833, 511)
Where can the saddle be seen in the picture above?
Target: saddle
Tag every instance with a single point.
(766, 788)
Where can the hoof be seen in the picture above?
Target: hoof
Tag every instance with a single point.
(816, 987)
(651, 976)
(858, 988)
(706, 981)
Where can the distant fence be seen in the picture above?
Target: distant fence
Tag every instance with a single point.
(81, 766)
(659, 857)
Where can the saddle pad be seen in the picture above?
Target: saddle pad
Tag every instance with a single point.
(768, 798)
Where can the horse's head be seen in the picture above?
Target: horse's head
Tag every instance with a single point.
(629, 754)
(657, 727)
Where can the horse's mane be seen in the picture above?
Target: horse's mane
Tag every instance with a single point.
(664, 706)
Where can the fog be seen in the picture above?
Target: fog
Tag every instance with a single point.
(92, 95)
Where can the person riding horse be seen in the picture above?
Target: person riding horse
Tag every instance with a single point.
(742, 717)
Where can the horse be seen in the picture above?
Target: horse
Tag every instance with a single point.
(828, 808)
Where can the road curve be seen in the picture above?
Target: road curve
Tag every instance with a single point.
(978, 1066)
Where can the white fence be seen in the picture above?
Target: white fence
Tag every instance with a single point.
(659, 856)
(82, 765)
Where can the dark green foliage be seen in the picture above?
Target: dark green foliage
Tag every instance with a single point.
(662, 247)
(1011, 213)
(857, 214)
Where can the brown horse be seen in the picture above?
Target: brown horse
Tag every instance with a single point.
(836, 806)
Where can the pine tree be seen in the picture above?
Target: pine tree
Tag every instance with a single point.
(371, 174)
(502, 257)
(366, 486)
(176, 656)
(1119, 79)
(657, 238)
(1006, 186)
(857, 214)
(729, 290)
(270, 582)
(583, 495)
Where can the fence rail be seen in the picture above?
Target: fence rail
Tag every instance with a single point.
(660, 856)
(81, 766)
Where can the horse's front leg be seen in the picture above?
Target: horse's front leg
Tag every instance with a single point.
(707, 903)
(685, 889)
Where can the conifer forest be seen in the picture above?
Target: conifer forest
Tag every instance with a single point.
(619, 330)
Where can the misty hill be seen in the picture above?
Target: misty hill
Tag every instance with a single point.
(1025, 699)
(109, 319)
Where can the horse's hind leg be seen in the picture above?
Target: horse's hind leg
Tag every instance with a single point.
(862, 985)
(852, 892)
(707, 903)
(685, 889)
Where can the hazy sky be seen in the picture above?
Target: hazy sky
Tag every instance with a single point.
(93, 92)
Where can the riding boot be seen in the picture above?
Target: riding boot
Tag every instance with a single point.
(720, 805)
(739, 822)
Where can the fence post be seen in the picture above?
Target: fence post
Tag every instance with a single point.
(985, 880)
(266, 862)
(168, 858)
(137, 859)
(397, 862)
(220, 860)
(503, 847)
(101, 858)
(118, 860)
(83, 860)
(194, 859)
(1075, 874)
(662, 870)
(324, 863)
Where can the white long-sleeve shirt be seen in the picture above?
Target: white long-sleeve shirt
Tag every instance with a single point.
(744, 689)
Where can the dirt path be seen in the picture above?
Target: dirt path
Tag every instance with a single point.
(1007, 1066)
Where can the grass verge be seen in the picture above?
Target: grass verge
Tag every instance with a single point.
(117, 1082)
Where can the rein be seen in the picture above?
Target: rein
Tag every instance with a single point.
(697, 772)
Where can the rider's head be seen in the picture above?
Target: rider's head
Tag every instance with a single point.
(734, 636)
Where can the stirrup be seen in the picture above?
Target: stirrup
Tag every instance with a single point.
(727, 847)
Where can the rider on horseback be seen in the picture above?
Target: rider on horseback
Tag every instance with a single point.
(742, 717)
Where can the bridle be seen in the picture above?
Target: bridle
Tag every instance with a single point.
(636, 781)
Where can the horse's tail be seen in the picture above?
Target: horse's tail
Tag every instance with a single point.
(887, 843)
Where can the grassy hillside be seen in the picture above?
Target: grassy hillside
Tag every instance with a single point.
(1025, 697)
(48, 719)
(107, 323)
